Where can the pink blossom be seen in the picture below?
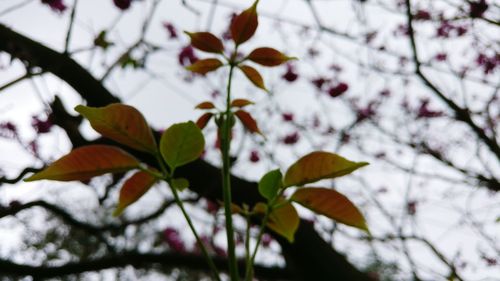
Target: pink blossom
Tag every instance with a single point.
(56, 5)
(173, 239)
(8, 130)
(440, 57)
(425, 112)
(338, 90)
(290, 75)
(319, 82)
(287, 116)
(254, 156)
(172, 31)
(187, 56)
(122, 4)
(41, 126)
(422, 15)
(477, 9)
(291, 138)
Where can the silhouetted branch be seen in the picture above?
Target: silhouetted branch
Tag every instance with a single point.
(136, 259)
(461, 114)
(19, 177)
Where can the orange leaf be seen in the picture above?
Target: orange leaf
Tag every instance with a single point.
(332, 204)
(319, 165)
(133, 189)
(86, 162)
(206, 41)
(253, 75)
(284, 220)
(240, 103)
(268, 57)
(204, 66)
(244, 25)
(121, 123)
(205, 105)
(248, 122)
(203, 120)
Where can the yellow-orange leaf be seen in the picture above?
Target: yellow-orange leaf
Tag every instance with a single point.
(268, 57)
(121, 123)
(205, 105)
(253, 75)
(319, 165)
(205, 66)
(133, 189)
(206, 41)
(240, 103)
(284, 220)
(248, 122)
(244, 25)
(203, 120)
(86, 162)
(332, 204)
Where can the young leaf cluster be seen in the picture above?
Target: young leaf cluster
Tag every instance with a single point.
(180, 144)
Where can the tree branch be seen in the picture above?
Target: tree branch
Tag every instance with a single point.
(136, 259)
(461, 114)
(34, 54)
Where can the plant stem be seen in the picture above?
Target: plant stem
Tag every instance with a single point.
(211, 264)
(226, 179)
(249, 266)
(270, 206)
(247, 242)
(178, 201)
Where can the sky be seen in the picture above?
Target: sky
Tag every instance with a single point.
(164, 101)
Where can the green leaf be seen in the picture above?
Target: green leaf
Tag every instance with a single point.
(121, 123)
(319, 165)
(180, 183)
(270, 184)
(87, 162)
(284, 219)
(332, 204)
(181, 143)
(133, 189)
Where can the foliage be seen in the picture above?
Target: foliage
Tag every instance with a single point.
(413, 90)
(183, 143)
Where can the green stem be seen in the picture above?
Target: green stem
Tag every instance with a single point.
(226, 179)
(247, 242)
(211, 264)
(270, 206)
(168, 176)
(249, 266)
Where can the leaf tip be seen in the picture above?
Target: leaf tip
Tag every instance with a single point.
(118, 211)
(362, 164)
(364, 226)
(30, 179)
(80, 108)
